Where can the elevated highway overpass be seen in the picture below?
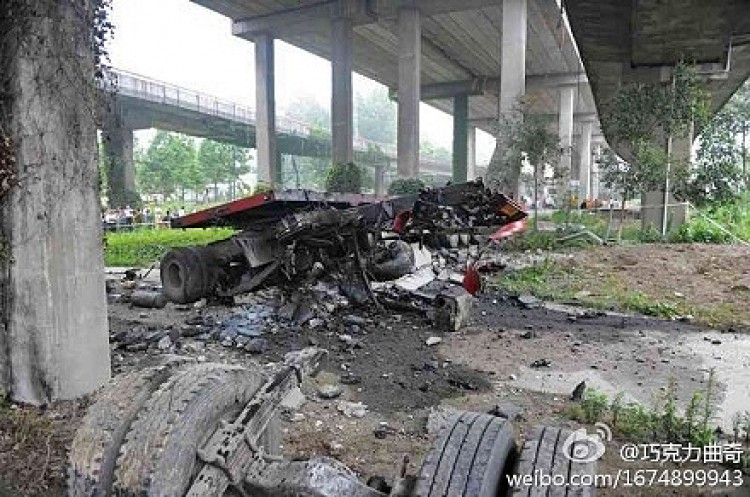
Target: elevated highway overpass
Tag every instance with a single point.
(476, 59)
(137, 102)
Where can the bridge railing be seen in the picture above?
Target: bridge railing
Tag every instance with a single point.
(141, 87)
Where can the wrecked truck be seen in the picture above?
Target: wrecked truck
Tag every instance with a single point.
(301, 235)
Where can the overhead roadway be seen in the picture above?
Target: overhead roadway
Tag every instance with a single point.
(624, 42)
(461, 47)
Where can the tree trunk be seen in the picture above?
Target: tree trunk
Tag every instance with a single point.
(53, 313)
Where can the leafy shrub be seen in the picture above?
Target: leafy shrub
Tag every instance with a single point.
(344, 178)
(406, 186)
(262, 188)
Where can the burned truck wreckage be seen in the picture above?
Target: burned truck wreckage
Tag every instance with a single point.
(186, 427)
(354, 240)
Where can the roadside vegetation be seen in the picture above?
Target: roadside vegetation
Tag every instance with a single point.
(663, 422)
(141, 248)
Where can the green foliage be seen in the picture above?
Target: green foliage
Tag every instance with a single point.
(720, 171)
(523, 134)
(436, 152)
(406, 186)
(344, 178)
(663, 423)
(143, 247)
(640, 118)
(376, 116)
(160, 168)
(594, 406)
(262, 188)
(734, 216)
(643, 304)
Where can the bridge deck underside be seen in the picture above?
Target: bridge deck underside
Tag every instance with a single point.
(456, 46)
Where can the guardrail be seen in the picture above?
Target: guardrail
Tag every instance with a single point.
(144, 88)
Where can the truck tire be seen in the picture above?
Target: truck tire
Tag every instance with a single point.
(92, 456)
(158, 457)
(470, 458)
(187, 274)
(545, 453)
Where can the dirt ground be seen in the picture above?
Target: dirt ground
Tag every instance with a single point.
(401, 379)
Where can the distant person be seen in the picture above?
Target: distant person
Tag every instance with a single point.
(181, 211)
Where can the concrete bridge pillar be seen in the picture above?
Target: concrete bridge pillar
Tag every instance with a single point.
(584, 165)
(409, 81)
(265, 111)
(565, 130)
(342, 108)
(460, 137)
(471, 160)
(53, 312)
(506, 170)
(118, 145)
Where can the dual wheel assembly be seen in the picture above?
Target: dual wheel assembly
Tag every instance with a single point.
(144, 434)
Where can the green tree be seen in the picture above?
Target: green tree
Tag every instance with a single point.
(307, 109)
(721, 168)
(167, 165)
(376, 116)
(436, 152)
(216, 161)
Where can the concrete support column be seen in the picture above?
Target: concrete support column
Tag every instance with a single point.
(584, 165)
(54, 339)
(118, 145)
(409, 81)
(504, 170)
(565, 127)
(380, 179)
(471, 159)
(265, 110)
(460, 138)
(513, 55)
(652, 212)
(342, 108)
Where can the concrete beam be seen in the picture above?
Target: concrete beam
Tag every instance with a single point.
(460, 138)
(342, 107)
(484, 85)
(409, 74)
(578, 117)
(265, 110)
(361, 12)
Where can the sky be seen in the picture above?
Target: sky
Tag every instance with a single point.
(184, 44)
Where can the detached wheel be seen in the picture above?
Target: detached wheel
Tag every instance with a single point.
(159, 455)
(96, 446)
(187, 274)
(561, 454)
(470, 458)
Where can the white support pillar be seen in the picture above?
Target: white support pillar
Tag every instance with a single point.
(513, 55)
(584, 166)
(265, 110)
(512, 90)
(342, 109)
(565, 130)
(471, 159)
(409, 81)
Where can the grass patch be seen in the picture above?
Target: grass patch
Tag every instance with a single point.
(564, 282)
(733, 216)
(143, 247)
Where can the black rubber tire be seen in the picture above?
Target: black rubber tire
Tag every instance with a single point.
(544, 453)
(470, 458)
(96, 446)
(158, 457)
(187, 274)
